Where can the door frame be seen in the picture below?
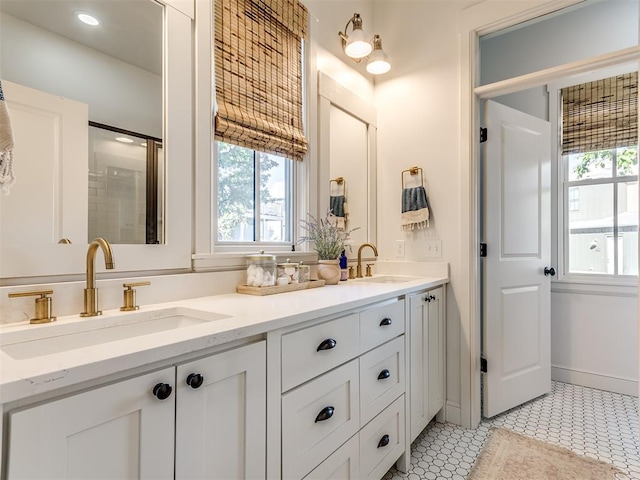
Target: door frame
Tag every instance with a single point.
(474, 22)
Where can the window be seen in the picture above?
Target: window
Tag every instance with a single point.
(600, 177)
(601, 189)
(254, 195)
(259, 118)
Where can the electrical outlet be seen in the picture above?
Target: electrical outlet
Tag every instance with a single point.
(434, 248)
(399, 248)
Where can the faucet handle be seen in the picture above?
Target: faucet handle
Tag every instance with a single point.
(44, 305)
(368, 274)
(130, 295)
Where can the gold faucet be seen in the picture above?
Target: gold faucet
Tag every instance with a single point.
(91, 292)
(359, 266)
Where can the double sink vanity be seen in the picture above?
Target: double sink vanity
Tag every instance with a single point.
(333, 382)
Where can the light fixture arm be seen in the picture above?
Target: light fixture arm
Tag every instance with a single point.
(356, 21)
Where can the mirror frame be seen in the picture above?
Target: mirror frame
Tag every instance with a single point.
(331, 93)
(31, 260)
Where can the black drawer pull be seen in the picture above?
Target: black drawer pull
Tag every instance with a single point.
(327, 344)
(325, 414)
(384, 441)
(385, 322)
(384, 374)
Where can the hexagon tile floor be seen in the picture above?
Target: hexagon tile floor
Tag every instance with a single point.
(590, 422)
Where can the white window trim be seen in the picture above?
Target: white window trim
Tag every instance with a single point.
(620, 285)
(208, 254)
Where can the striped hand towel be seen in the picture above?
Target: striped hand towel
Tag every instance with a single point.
(415, 208)
(6, 147)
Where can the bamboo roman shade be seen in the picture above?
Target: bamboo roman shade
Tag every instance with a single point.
(258, 72)
(600, 115)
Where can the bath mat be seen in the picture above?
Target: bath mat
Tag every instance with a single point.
(510, 456)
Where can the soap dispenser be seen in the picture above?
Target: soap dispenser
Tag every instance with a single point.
(343, 266)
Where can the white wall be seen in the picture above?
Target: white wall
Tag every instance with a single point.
(593, 339)
(118, 94)
(579, 33)
(418, 104)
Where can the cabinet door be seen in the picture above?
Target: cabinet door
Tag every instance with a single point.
(436, 335)
(221, 419)
(116, 431)
(419, 366)
(426, 358)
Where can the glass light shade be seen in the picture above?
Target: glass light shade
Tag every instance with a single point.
(378, 63)
(357, 46)
(378, 60)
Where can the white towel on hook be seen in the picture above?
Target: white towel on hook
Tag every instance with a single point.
(6, 147)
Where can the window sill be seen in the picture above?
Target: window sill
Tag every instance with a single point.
(588, 287)
(229, 261)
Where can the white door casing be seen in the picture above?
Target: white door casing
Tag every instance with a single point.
(516, 229)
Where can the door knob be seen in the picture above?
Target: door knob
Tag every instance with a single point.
(162, 391)
(195, 380)
(549, 271)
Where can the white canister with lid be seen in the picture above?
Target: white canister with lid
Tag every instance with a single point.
(261, 270)
(288, 272)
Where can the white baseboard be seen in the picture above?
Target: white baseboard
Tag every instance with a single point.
(594, 380)
(453, 413)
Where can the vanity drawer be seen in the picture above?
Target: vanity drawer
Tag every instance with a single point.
(382, 441)
(380, 324)
(382, 378)
(314, 350)
(318, 417)
(343, 464)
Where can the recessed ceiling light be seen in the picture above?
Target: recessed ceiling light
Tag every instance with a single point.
(88, 19)
(124, 140)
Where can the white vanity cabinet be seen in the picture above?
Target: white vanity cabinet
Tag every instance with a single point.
(426, 358)
(209, 413)
(342, 395)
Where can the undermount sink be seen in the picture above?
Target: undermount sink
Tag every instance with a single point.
(60, 337)
(387, 279)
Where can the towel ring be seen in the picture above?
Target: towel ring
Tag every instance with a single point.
(339, 181)
(413, 171)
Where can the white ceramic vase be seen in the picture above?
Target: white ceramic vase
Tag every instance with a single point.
(329, 271)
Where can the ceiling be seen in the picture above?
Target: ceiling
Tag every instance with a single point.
(130, 30)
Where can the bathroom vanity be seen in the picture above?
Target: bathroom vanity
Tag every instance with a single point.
(331, 382)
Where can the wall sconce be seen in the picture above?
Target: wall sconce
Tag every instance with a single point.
(357, 47)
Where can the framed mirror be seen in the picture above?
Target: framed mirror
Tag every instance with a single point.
(347, 136)
(91, 106)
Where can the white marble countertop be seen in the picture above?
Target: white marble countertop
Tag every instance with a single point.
(247, 315)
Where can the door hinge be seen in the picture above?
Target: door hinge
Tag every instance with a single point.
(483, 365)
(483, 134)
(483, 249)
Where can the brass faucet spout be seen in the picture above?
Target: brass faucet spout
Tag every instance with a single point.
(91, 292)
(359, 266)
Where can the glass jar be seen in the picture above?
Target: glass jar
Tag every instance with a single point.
(304, 273)
(287, 272)
(261, 270)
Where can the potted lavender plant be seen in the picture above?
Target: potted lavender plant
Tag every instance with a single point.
(328, 242)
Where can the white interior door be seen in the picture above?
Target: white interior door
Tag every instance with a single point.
(516, 229)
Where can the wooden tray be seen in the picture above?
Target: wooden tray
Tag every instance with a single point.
(292, 287)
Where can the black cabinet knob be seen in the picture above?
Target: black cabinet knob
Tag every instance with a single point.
(325, 414)
(162, 391)
(384, 441)
(327, 344)
(195, 380)
(549, 271)
(432, 297)
(427, 299)
(384, 374)
(385, 322)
